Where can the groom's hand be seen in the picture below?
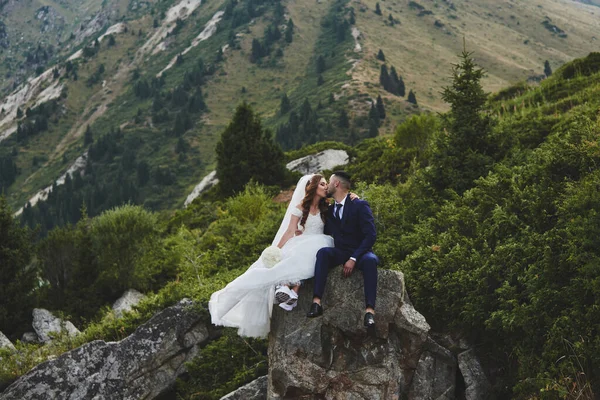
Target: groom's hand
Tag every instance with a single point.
(349, 267)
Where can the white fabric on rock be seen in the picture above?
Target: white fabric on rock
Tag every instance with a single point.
(247, 302)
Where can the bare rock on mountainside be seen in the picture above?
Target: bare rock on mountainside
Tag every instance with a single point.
(126, 302)
(5, 343)
(140, 366)
(45, 323)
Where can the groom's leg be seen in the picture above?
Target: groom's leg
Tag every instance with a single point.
(368, 265)
(327, 257)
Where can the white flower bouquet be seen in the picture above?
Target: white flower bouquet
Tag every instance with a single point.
(271, 256)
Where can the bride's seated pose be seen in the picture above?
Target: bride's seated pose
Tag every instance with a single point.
(247, 302)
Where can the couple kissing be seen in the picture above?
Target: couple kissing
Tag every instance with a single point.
(312, 238)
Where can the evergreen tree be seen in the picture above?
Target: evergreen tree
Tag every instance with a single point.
(320, 80)
(17, 281)
(88, 137)
(380, 55)
(374, 121)
(377, 9)
(380, 107)
(285, 105)
(247, 152)
(396, 83)
(320, 64)
(331, 98)
(289, 31)
(257, 51)
(384, 78)
(19, 112)
(343, 121)
(142, 173)
(461, 154)
(181, 146)
(111, 40)
(547, 68)
(412, 98)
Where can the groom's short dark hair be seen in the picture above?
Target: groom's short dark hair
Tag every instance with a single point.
(344, 178)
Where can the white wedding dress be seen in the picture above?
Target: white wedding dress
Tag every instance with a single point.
(247, 302)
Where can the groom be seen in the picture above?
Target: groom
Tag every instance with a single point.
(352, 226)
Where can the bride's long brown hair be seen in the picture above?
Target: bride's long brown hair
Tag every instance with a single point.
(311, 192)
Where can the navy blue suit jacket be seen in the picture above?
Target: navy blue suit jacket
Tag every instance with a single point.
(356, 233)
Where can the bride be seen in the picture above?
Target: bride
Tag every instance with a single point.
(247, 302)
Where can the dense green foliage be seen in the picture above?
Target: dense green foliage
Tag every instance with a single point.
(247, 152)
(17, 279)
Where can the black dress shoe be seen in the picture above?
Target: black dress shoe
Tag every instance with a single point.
(369, 320)
(315, 310)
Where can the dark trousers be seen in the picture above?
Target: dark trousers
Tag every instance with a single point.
(328, 257)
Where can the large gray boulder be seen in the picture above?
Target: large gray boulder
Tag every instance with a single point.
(44, 323)
(255, 390)
(141, 366)
(334, 357)
(126, 302)
(477, 386)
(5, 343)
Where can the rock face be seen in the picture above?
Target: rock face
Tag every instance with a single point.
(126, 302)
(45, 323)
(5, 343)
(255, 390)
(140, 366)
(315, 163)
(334, 357)
(30, 337)
(477, 385)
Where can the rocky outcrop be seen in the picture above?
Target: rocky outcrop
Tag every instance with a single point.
(44, 324)
(30, 337)
(141, 366)
(477, 386)
(5, 343)
(255, 390)
(315, 163)
(126, 302)
(335, 357)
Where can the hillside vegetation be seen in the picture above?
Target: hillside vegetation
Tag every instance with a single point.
(490, 210)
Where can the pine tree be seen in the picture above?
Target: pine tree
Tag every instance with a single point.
(343, 121)
(380, 107)
(111, 40)
(320, 64)
(19, 113)
(17, 282)
(331, 98)
(412, 98)
(320, 80)
(381, 56)
(285, 105)
(547, 68)
(88, 137)
(397, 84)
(377, 9)
(461, 154)
(384, 78)
(289, 31)
(374, 121)
(247, 152)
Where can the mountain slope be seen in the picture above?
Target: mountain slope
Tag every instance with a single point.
(419, 38)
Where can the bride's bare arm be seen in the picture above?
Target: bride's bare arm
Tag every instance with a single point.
(291, 230)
